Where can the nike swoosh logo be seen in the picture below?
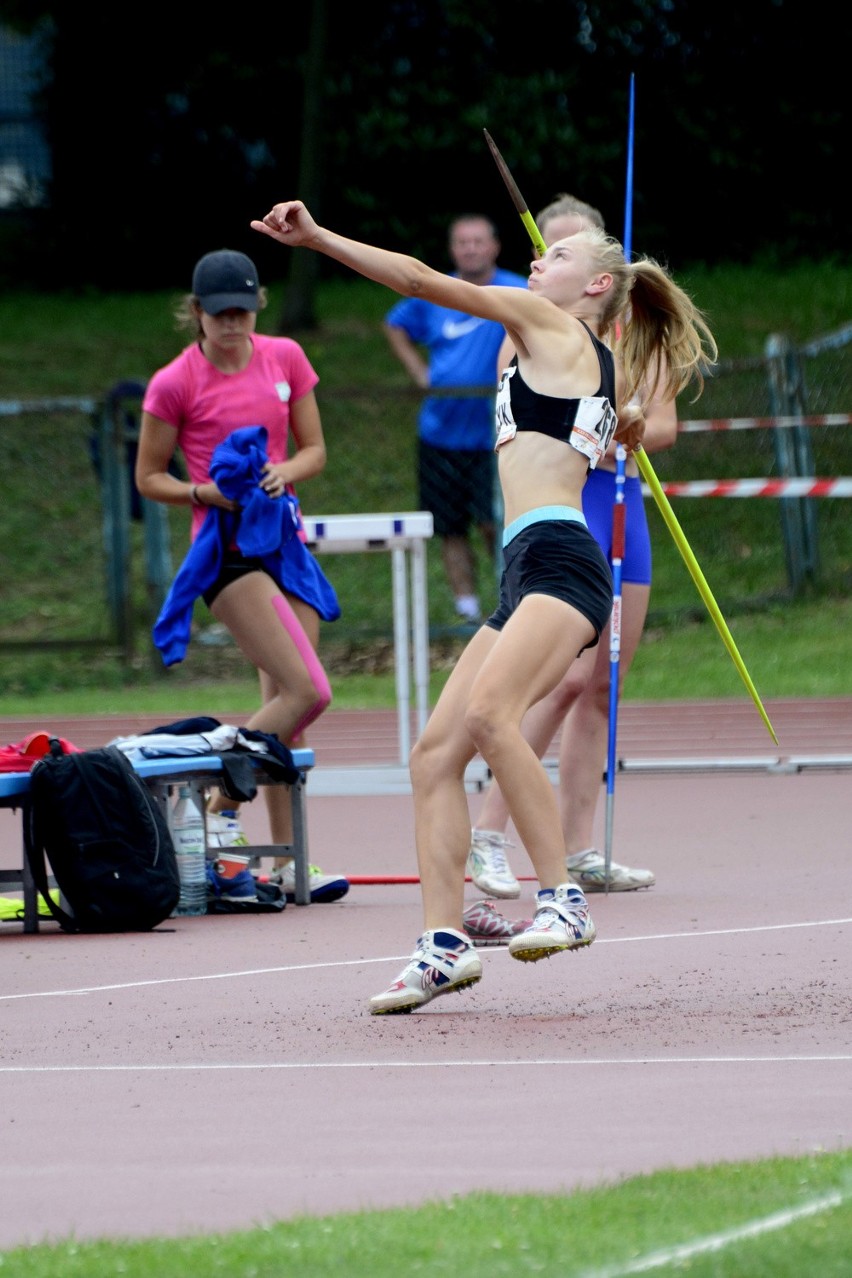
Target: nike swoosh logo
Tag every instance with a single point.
(460, 328)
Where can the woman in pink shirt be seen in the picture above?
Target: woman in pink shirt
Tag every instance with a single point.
(229, 378)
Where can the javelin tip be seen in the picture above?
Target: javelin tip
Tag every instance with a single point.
(511, 185)
(491, 143)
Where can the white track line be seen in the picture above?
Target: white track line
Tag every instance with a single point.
(717, 1242)
(400, 958)
(170, 1067)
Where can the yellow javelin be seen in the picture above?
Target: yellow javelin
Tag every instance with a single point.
(647, 470)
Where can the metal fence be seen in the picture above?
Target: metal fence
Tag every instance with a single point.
(85, 562)
(743, 476)
(756, 483)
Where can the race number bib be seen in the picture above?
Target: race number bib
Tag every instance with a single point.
(505, 422)
(594, 427)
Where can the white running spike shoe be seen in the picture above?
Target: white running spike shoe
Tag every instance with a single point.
(562, 922)
(444, 960)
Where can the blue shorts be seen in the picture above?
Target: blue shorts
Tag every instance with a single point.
(557, 557)
(598, 502)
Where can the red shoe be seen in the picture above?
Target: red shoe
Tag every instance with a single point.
(485, 925)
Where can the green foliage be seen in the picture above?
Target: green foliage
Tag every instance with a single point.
(52, 586)
(384, 125)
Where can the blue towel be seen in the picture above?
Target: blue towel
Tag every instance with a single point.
(266, 528)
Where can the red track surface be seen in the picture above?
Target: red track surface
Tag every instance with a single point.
(224, 1071)
(686, 729)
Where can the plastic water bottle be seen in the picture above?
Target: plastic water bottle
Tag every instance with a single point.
(188, 836)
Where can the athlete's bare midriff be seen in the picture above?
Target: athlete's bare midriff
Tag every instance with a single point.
(537, 470)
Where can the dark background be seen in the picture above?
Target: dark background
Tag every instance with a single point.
(168, 136)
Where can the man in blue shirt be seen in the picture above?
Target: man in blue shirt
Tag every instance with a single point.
(440, 347)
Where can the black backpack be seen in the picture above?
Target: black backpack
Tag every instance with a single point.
(107, 841)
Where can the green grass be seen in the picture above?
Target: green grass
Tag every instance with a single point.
(80, 344)
(711, 1213)
(801, 649)
(52, 583)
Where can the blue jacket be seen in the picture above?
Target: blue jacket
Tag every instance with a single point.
(266, 528)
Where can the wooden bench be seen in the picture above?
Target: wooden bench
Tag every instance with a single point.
(200, 773)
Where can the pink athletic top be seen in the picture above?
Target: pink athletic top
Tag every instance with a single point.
(205, 405)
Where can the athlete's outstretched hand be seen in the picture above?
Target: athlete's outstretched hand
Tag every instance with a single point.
(289, 223)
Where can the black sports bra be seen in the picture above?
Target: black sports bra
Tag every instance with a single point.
(586, 423)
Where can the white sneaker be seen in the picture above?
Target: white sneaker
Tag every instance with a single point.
(443, 961)
(562, 922)
(488, 866)
(224, 830)
(323, 887)
(588, 870)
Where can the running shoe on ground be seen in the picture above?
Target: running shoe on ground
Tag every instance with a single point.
(488, 866)
(485, 925)
(323, 887)
(240, 888)
(588, 870)
(224, 830)
(444, 960)
(562, 922)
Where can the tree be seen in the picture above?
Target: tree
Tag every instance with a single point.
(298, 311)
(167, 148)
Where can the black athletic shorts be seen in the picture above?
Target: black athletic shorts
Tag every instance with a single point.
(234, 566)
(558, 557)
(457, 487)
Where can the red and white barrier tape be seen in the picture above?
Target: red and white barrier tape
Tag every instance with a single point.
(752, 423)
(803, 486)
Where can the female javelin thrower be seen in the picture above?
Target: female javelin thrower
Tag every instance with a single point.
(556, 414)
